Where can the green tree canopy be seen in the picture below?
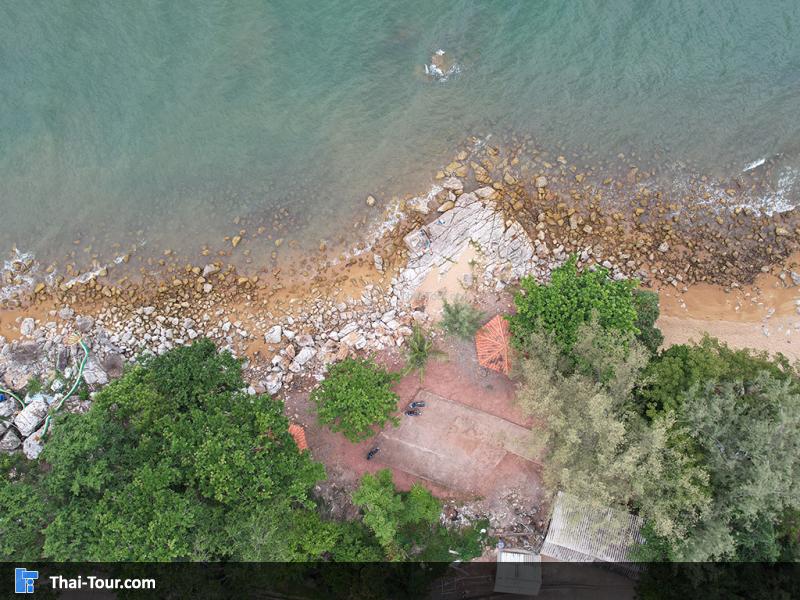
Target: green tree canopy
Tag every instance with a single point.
(569, 300)
(172, 461)
(355, 397)
(407, 523)
(735, 413)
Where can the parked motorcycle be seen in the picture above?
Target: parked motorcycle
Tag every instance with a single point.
(371, 454)
(413, 413)
(420, 404)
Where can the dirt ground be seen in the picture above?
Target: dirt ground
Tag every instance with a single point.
(458, 448)
(763, 315)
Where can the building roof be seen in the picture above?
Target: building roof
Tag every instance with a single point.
(492, 343)
(584, 532)
(299, 435)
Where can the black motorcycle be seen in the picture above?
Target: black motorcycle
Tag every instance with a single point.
(371, 454)
(413, 405)
(413, 413)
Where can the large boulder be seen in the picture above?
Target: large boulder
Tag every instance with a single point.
(305, 355)
(30, 417)
(113, 364)
(26, 353)
(33, 445)
(273, 383)
(10, 441)
(27, 327)
(94, 374)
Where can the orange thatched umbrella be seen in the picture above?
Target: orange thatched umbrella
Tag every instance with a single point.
(492, 342)
(299, 435)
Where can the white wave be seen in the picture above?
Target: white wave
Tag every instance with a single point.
(778, 201)
(754, 164)
(18, 275)
(22, 272)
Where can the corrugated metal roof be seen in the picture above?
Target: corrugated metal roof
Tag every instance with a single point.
(584, 532)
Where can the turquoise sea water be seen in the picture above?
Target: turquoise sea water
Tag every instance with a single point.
(160, 122)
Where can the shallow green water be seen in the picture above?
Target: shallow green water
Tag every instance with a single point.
(160, 122)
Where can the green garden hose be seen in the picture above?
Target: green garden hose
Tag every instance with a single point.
(13, 395)
(58, 406)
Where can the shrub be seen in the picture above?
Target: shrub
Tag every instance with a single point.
(460, 318)
(407, 523)
(420, 350)
(355, 397)
(646, 305)
(568, 301)
(733, 412)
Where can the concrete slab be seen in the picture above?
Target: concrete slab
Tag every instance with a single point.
(453, 445)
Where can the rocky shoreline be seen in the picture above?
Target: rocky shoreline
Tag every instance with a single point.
(518, 218)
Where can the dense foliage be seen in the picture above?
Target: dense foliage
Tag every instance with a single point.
(173, 462)
(407, 524)
(569, 300)
(460, 318)
(355, 397)
(645, 303)
(738, 413)
(700, 440)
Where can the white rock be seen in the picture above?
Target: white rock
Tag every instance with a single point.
(453, 183)
(273, 335)
(94, 374)
(29, 418)
(304, 340)
(485, 192)
(27, 327)
(347, 329)
(273, 382)
(32, 447)
(305, 355)
(210, 270)
(10, 441)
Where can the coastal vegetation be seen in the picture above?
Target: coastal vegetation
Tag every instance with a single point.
(569, 300)
(407, 524)
(460, 318)
(173, 461)
(355, 398)
(420, 350)
(698, 439)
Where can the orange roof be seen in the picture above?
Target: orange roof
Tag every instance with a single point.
(299, 435)
(491, 343)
